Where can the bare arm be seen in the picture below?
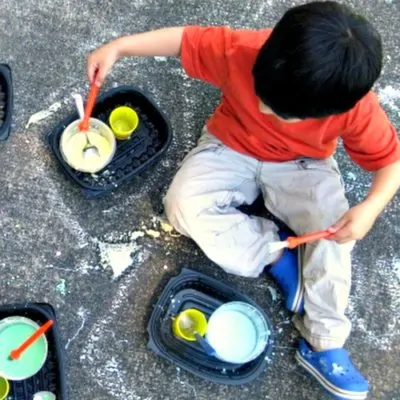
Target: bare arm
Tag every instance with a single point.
(356, 223)
(385, 184)
(162, 42)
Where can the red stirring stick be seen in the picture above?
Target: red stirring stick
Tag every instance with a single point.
(93, 92)
(16, 354)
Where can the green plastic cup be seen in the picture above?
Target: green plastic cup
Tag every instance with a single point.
(13, 332)
(123, 121)
(4, 388)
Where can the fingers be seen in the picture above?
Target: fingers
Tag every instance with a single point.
(337, 230)
(102, 71)
(333, 229)
(345, 233)
(92, 67)
(98, 68)
(339, 225)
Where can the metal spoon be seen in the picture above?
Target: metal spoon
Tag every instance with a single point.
(187, 324)
(89, 150)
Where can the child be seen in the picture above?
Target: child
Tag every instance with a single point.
(288, 95)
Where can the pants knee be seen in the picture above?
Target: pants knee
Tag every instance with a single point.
(178, 211)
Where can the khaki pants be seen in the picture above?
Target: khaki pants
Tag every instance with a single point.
(306, 194)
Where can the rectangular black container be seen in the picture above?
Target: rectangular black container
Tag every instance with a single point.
(6, 101)
(146, 146)
(52, 376)
(191, 289)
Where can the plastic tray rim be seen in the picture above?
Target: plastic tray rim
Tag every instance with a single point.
(159, 349)
(5, 130)
(89, 190)
(41, 308)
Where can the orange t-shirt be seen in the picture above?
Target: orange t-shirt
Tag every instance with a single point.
(225, 58)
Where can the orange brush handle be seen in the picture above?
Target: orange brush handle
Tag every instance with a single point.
(16, 354)
(94, 91)
(311, 237)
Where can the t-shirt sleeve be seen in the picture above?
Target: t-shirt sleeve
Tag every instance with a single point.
(371, 140)
(203, 53)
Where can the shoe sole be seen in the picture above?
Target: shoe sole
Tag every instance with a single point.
(330, 387)
(298, 298)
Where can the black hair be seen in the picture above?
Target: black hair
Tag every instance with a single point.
(320, 60)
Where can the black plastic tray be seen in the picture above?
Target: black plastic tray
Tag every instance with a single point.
(52, 376)
(148, 143)
(6, 101)
(193, 289)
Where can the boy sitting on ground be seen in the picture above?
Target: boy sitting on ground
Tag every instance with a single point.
(288, 95)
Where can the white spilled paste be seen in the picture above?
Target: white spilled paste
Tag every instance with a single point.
(153, 233)
(43, 114)
(273, 292)
(116, 256)
(119, 256)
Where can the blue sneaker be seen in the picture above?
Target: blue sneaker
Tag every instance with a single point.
(287, 273)
(334, 370)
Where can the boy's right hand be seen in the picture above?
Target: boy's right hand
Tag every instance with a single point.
(102, 60)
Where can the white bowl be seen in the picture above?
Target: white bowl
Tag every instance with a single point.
(9, 321)
(238, 332)
(96, 125)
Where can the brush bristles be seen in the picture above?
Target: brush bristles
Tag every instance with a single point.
(276, 246)
(185, 322)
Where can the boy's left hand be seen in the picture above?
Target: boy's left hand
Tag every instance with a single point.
(355, 224)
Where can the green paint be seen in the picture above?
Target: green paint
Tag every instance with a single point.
(12, 335)
(62, 287)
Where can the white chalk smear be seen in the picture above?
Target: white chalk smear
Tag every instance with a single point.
(82, 315)
(83, 269)
(186, 384)
(55, 201)
(390, 97)
(388, 279)
(158, 58)
(64, 213)
(112, 368)
(396, 269)
(43, 114)
(97, 356)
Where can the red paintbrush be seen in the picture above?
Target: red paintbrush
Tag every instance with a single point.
(16, 354)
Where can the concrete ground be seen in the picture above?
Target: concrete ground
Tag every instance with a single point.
(57, 246)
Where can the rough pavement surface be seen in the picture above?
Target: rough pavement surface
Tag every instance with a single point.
(59, 247)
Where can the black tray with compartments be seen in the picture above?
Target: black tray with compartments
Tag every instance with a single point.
(192, 289)
(6, 101)
(147, 145)
(52, 377)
